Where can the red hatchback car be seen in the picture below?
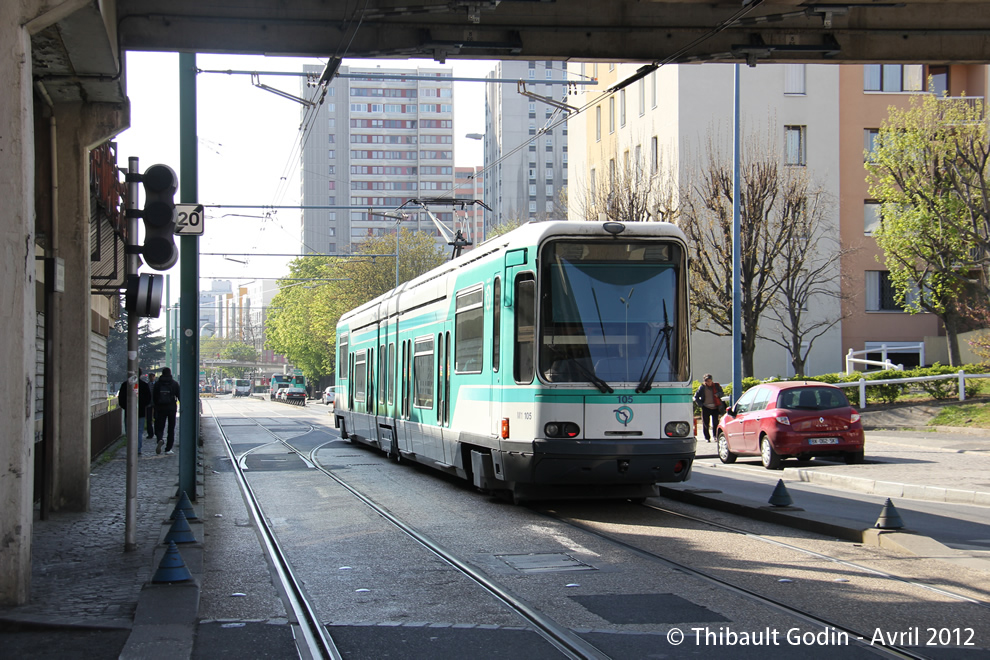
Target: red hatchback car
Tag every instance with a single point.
(795, 418)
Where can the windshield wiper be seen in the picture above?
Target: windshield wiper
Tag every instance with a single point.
(659, 348)
(589, 374)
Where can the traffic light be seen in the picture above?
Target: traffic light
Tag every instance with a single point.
(160, 184)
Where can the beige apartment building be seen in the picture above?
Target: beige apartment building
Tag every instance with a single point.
(821, 117)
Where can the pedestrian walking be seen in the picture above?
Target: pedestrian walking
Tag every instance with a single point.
(166, 397)
(143, 402)
(709, 399)
(149, 415)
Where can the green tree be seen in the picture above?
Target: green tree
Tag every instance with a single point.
(928, 171)
(239, 352)
(151, 345)
(303, 319)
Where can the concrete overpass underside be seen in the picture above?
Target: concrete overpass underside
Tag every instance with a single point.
(607, 30)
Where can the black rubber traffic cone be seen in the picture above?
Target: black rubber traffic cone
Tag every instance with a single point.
(780, 496)
(180, 532)
(171, 568)
(889, 517)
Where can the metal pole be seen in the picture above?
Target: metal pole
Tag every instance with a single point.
(188, 282)
(130, 270)
(736, 252)
(397, 253)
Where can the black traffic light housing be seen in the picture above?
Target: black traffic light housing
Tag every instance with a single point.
(160, 184)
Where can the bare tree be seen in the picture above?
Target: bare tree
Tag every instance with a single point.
(630, 192)
(806, 270)
(770, 192)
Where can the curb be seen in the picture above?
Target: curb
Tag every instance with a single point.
(896, 540)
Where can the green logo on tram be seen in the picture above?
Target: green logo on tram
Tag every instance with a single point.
(623, 415)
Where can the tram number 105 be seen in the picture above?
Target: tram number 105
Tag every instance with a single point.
(188, 219)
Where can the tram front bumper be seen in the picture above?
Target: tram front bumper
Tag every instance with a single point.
(571, 462)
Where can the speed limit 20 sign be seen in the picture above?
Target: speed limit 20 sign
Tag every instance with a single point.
(189, 219)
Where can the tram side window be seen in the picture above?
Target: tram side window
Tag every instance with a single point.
(382, 375)
(469, 332)
(391, 373)
(343, 349)
(496, 322)
(360, 375)
(524, 364)
(423, 373)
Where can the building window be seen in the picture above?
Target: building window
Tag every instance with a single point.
(893, 77)
(653, 86)
(654, 156)
(641, 87)
(794, 82)
(794, 145)
(598, 123)
(611, 114)
(622, 107)
(880, 293)
(871, 217)
(870, 142)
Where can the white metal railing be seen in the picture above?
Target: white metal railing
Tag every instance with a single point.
(862, 383)
(884, 363)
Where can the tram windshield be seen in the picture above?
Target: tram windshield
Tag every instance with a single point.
(611, 313)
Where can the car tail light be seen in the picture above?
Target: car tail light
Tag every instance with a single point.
(854, 417)
(505, 427)
(783, 419)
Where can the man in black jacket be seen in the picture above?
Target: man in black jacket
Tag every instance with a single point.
(165, 394)
(144, 400)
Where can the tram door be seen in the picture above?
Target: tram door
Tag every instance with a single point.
(503, 382)
(495, 400)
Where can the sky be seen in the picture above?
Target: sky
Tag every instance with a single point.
(249, 148)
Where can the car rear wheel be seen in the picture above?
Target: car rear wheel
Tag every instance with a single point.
(854, 458)
(724, 454)
(771, 459)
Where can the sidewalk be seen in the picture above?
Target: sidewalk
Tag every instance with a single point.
(83, 583)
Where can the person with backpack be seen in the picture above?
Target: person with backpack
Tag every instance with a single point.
(165, 394)
(144, 399)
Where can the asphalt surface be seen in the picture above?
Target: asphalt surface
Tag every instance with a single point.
(91, 599)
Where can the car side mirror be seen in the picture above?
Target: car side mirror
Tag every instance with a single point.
(730, 411)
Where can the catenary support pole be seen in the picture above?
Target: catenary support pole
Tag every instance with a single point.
(188, 281)
(736, 249)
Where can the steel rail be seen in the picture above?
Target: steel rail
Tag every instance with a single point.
(842, 562)
(313, 641)
(561, 637)
(854, 635)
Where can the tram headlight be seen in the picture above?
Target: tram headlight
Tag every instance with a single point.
(677, 429)
(561, 430)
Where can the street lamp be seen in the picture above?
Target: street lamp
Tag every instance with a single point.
(475, 136)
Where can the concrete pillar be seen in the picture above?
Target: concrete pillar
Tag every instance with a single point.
(81, 127)
(17, 306)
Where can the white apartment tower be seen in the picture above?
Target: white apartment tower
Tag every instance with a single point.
(525, 184)
(381, 137)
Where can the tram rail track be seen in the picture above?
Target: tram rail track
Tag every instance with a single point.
(569, 643)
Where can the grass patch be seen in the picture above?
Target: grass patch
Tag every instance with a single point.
(976, 415)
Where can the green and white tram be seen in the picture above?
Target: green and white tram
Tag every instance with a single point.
(550, 362)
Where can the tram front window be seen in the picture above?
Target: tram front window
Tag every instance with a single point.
(610, 313)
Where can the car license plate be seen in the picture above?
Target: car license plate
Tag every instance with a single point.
(823, 441)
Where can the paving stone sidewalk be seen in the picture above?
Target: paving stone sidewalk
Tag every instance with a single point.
(81, 574)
